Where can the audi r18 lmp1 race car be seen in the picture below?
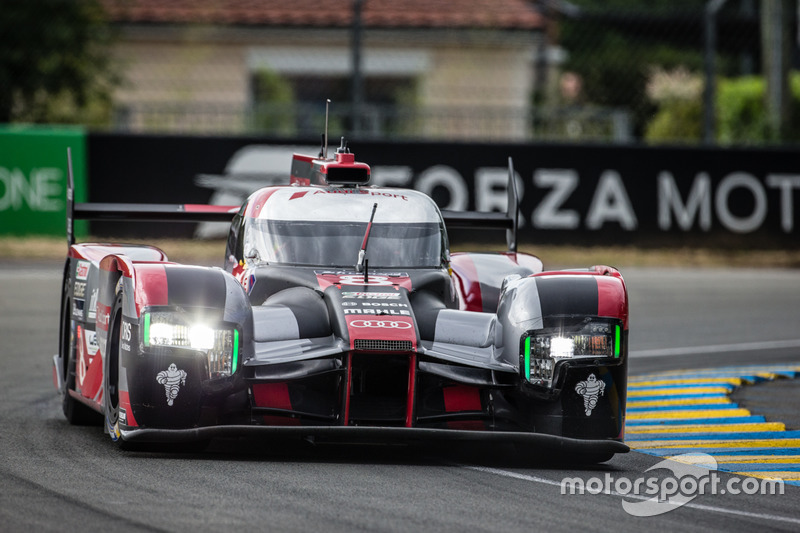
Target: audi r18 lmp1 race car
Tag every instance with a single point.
(341, 314)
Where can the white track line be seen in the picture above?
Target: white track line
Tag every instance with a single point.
(709, 508)
(717, 348)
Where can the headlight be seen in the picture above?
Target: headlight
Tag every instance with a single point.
(542, 350)
(220, 343)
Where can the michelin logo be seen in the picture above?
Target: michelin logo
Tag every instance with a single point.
(172, 378)
(591, 389)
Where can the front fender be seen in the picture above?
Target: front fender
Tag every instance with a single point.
(115, 272)
(173, 387)
(586, 395)
(539, 300)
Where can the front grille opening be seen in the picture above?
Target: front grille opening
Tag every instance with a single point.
(378, 390)
(311, 400)
(374, 345)
(446, 404)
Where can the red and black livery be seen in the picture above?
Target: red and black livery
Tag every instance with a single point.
(341, 314)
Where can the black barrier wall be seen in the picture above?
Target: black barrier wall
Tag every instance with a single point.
(588, 195)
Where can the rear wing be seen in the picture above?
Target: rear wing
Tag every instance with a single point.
(139, 212)
(508, 221)
(225, 213)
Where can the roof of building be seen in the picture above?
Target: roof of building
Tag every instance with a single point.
(386, 14)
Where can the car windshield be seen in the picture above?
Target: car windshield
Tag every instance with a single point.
(336, 244)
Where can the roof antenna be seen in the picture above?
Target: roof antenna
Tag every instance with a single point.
(363, 263)
(325, 138)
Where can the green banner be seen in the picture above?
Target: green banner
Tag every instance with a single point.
(33, 179)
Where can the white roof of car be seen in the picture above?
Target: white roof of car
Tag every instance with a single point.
(350, 204)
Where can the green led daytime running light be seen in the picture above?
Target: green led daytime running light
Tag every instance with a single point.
(528, 358)
(147, 329)
(235, 350)
(617, 343)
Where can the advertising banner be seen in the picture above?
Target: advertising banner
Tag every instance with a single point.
(33, 179)
(569, 194)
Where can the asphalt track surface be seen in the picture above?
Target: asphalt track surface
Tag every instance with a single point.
(56, 477)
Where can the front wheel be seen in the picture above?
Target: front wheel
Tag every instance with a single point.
(111, 379)
(76, 412)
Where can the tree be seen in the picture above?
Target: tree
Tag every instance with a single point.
(275, 111)
(54, 62)
(613, 45)
(741, 110)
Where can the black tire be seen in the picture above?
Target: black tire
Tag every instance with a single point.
(77, 413)
(111, 378)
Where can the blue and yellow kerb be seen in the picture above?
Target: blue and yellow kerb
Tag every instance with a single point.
(690, 411)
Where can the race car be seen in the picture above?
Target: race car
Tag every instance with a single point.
(341, 314)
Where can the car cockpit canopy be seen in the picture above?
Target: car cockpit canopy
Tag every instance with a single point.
(316, 226)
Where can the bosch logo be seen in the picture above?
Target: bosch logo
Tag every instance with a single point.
(385, 324)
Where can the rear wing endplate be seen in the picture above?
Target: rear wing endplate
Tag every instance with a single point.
(508, 221)
(139, 212)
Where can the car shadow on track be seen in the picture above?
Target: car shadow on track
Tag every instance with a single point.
(416, 454)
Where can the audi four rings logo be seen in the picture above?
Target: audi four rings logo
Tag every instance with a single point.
(380, 324)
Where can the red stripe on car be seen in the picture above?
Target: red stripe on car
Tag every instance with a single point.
(255, 206)
(297, 195)
(469, 286)
(93, 380)
(274, 395)
(611, 299)
(461, 398)
(151, 286)
(202, 208)
(412, 386)
(96, 252)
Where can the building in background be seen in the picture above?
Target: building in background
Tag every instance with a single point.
(655, 71)
(435, 69)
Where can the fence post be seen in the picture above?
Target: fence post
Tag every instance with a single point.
(710, 53)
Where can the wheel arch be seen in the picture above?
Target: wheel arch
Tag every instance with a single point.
(65, 317)
(114, 270)
(526, 303)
